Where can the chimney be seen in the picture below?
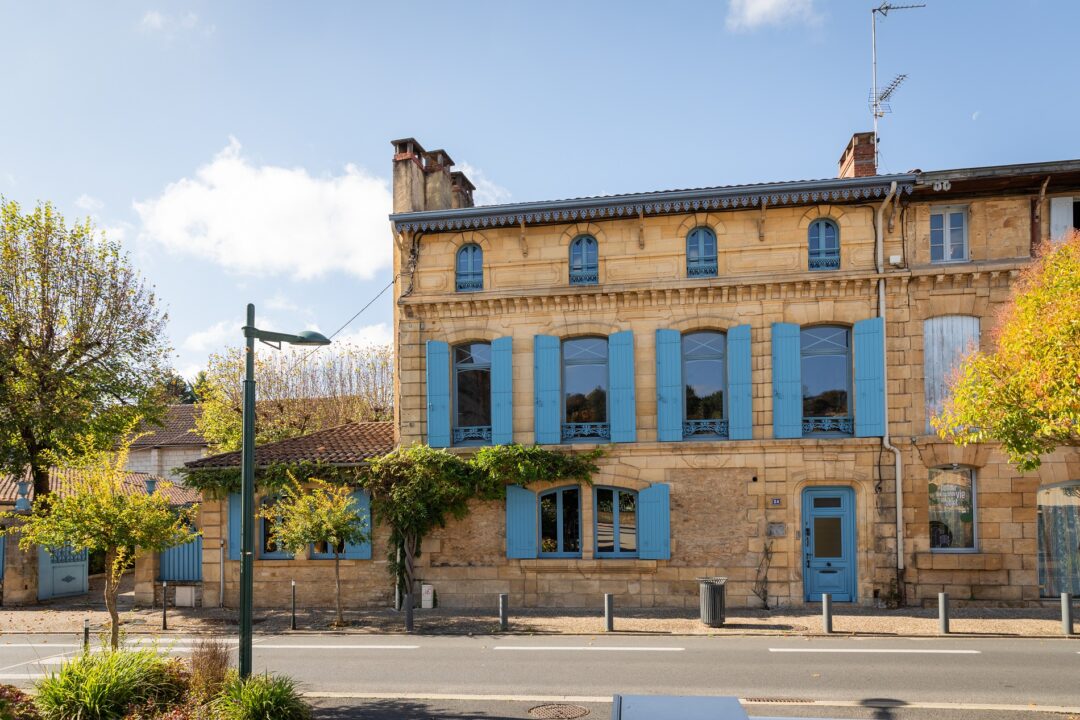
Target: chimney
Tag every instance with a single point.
(462, 190)
(423, 180)
(437, 193)
(859, 158)
(408, 176)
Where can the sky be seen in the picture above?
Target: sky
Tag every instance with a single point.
(241, 153)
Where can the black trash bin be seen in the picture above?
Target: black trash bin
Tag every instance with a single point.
(712, 600)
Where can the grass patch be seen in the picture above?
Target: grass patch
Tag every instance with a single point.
(261, 697)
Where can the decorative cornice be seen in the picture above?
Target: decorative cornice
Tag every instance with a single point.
(733, 197)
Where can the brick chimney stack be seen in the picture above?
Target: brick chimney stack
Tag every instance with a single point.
(859, 158)
(423, 180)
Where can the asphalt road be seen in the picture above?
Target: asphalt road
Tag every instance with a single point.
(503, 676)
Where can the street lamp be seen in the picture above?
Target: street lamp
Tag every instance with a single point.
(247, 463)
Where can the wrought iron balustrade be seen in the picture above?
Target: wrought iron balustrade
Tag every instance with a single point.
(825, 262)
(701, 269)
(472, 433)
(584, 277)
(814, 425)
(705, 428)
(581, 431)
(469, 283)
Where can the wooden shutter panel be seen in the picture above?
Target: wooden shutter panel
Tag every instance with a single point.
(361, 551)
(1061, 217)
(869, 360)
(786, 381)
(546, 413)
(235, 512)
(654, 523)
(739, 388)
(438, 394)
(502, 391)
(520, 522)
(669, 386)
(622, 403)
(946, 340)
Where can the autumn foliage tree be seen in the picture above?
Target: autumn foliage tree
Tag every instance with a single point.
(1025, 393)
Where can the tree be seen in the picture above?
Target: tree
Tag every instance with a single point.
(100, 512)
(176, 390)
(1025, 394)
(299, 392)
(81, 341)
(324, 513)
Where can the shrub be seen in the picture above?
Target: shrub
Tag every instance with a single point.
(111, 684)
(16, 705)
(261, 697)
(209, 669)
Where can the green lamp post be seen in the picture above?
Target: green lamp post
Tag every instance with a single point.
(247, 463)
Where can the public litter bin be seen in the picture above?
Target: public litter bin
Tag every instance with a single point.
(712, 600)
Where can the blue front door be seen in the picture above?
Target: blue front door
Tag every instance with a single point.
(829, 543)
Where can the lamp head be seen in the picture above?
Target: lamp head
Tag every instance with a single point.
(310, 337)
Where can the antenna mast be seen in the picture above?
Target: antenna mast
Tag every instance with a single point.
(879, 104)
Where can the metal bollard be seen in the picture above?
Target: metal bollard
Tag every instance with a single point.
(826, 613)
(504, 612)
(86, 635)
(1066, 613)
(408, 612)
(164, 604)
(943, 613)
(292, 622)
(609, 612)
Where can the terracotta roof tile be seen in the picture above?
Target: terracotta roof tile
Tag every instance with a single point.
(348, 444)
(177, 427)
(61, 479)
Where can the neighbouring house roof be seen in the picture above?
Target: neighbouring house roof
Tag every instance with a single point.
(134, 483)
(348, 444)
(177, 427)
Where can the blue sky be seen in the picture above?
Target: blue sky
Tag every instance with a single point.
(240, 150)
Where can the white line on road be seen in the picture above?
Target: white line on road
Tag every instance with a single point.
(911, 651)
(337, 647)
(599, 648)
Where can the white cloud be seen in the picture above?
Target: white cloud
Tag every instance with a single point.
(975, 115)
(278, 301)
(378, 334)
(215, 337)
(266, 220)
(752, 14)
(88, 203)
(487, 192)
(152, 20)
(157, 22)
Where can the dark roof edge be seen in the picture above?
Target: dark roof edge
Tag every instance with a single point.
(990, 171)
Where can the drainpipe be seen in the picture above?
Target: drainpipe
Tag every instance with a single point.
(879, 233)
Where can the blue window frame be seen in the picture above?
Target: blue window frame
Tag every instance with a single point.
(584, 261)
(560, 522)
(472, 393)
(470, 268)
(268, 549)
(585, 389)
(826, 379)
(823, 239)
(701, 253)
(615, 525)
(704, 386)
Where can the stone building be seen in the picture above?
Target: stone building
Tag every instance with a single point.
(161, 448)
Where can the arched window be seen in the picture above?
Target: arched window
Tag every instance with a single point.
(472, 393)
(585, 388)
(616, 522)
(826, 379)
(952, 509)
(701, 253)
(560, 522)
(584, 261)
(1058, 528)
(470, 268)
(704, 376)
(824, 244)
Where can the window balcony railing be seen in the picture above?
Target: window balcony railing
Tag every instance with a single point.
(584, 431)
(705, 428)
(584, 277)
(701, 268)
(817, 425)
(472, 434)
(825, 262)
(470, 283)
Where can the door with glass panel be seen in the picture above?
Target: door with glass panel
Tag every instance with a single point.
(829, 543)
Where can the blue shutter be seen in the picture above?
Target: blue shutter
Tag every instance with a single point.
(361, 551)
(438, 394)
(739, 389)
(547, 410)
(870, 378)
(669, 386)
(520, 522)
(502, 391)
(235, 511)
(654, 523)
(786, 381)
(622, 405)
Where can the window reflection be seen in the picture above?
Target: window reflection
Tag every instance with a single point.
(616, 522)
(826, 371)
(472, 375)
(585, 380)
(952, 509)
(560, 522)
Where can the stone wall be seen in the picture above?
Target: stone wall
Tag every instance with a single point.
(163, 461)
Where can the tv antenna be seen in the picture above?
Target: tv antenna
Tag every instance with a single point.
(879, 101)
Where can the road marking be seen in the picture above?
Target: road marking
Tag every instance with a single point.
(22, 676)
(338, 647)
(596, 648)
(911, 651)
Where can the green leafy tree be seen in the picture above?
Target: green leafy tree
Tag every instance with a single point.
(81, 340)
(100, 512)
(322, 514)
(1025, 393)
